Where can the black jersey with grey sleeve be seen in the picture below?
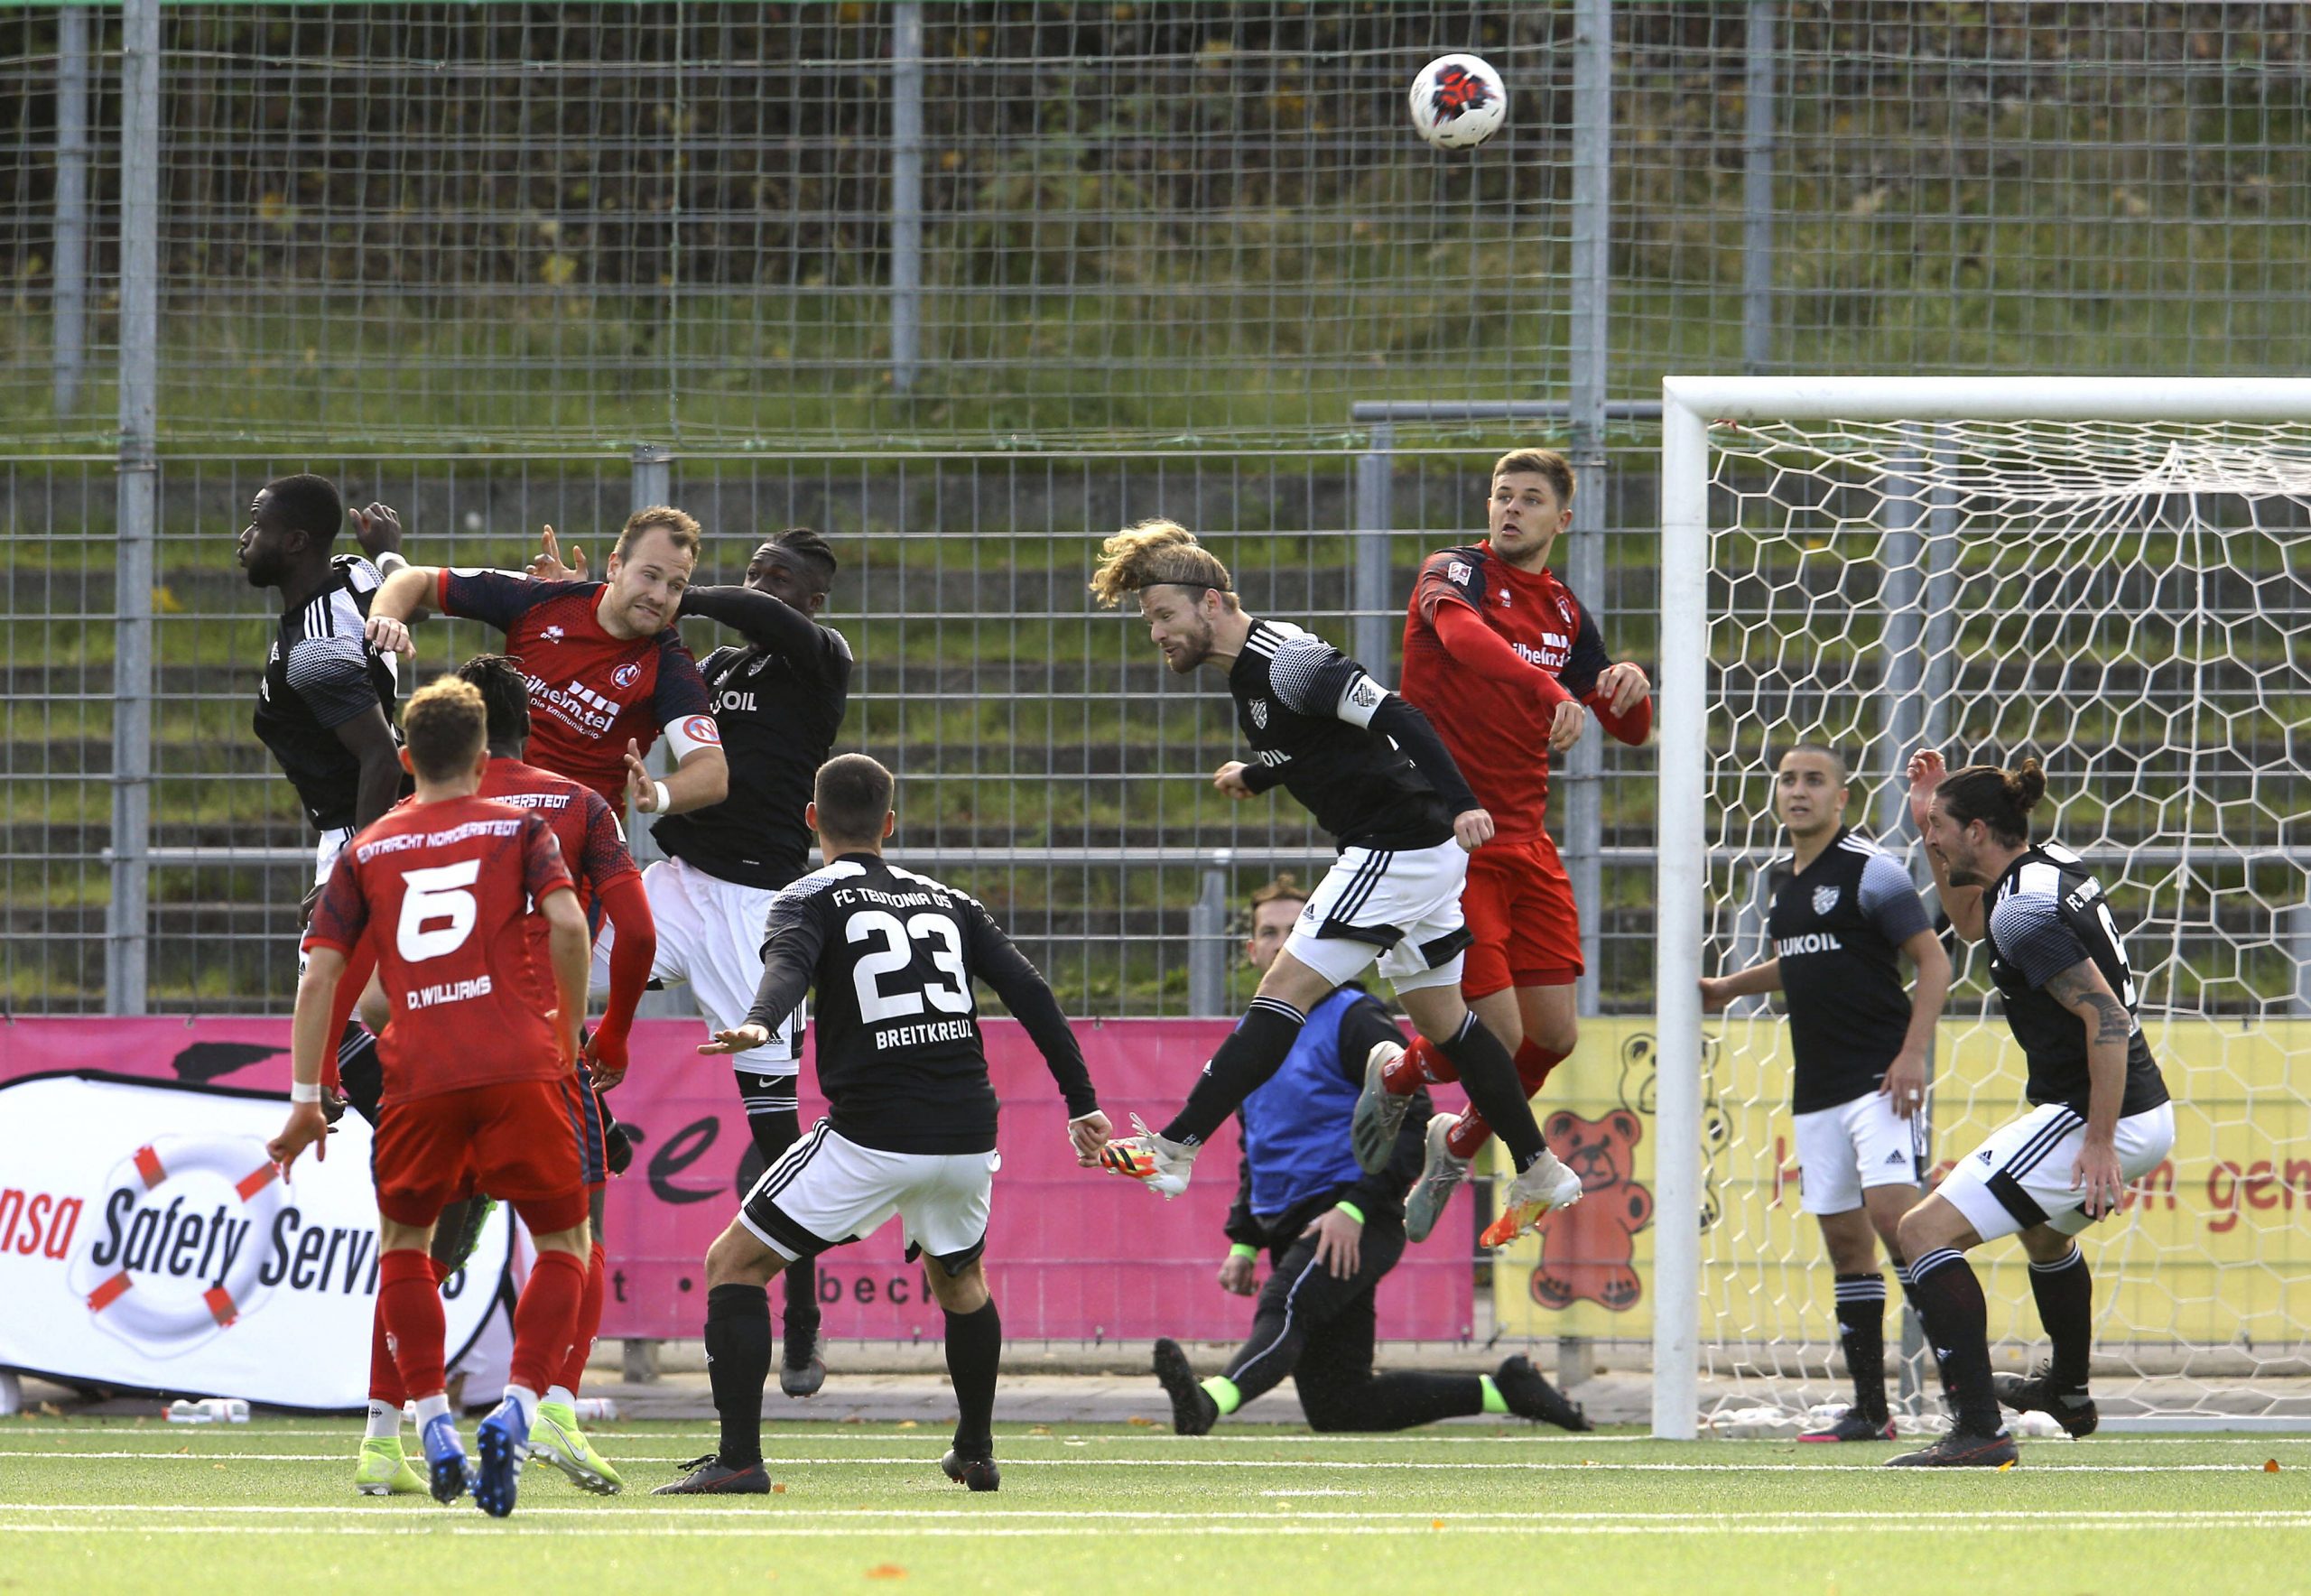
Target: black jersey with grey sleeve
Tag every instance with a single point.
(778, 703)
(891, 957)
(1837, 928)
(1365, 763)
(320, 674)
(2046, 914)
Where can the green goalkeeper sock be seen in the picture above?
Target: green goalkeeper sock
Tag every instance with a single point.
(1222, 1391)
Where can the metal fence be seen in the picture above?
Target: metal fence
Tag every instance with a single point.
(972, 285)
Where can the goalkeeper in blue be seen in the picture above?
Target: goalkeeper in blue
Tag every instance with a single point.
(1332, 1232)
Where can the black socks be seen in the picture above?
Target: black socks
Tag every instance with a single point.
(1255, 1050)
(1489, 1075)
(1862, 1328)
(1949, 1298)
(974, 1349)
(738, 1365)
(2065, 1292)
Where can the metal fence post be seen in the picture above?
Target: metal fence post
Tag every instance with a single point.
(1368, 582)
(1208, 946)
(68, 272)
(131, 667)
(1757, 192)
(1592, 148)
(906, 192)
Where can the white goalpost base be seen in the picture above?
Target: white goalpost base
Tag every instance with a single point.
(1921, 555)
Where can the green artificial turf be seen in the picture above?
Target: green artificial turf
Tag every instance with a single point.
(90, 1506)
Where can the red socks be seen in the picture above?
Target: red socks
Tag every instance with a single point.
(1471, 1132)
(544, 1319)
(1421, 1065)
(409, 1311)
(589, 1323)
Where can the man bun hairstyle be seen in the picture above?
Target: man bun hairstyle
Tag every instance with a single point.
(678, 524)
(1284, 886)
(307, 503)
(1538, 462)
(853, 793)
(505, 693)
(2000, 798)
(445, 726)
(811, 551)
(1154, 554)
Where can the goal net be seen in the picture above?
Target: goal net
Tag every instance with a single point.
(1879, 566)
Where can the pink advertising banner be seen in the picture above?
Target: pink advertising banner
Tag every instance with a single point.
(1073, 1254)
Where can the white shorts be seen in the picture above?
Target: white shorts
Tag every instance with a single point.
(710, 935)
(326, 849)
(1841, 1152)
(2020, 1177)
(825, 1191)
(1402, 908)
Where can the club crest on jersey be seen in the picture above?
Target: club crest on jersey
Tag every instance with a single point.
(1259, 713)
(626, 674)
(1825, 898)
(1504, 596)
(553, 633)
(701, 729)
(1457, 572)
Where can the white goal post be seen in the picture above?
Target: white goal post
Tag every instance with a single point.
(1805, 480)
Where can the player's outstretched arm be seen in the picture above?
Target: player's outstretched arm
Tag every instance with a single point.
(1717, 991)
(572, 950)
(399, 602)
(793, 934)
(764, 619)
(701, 780)
(1025, 992)
(309, 1043)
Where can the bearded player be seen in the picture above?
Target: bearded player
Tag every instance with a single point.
(479, 1089)
(1508, 665)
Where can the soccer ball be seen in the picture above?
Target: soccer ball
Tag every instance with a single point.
(1458, 102)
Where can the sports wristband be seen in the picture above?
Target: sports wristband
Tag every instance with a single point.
(1350, 1210)
(663, 799)
(1243, 1250)
(304, 1091)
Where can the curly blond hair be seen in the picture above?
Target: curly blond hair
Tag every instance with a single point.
(1155, 553)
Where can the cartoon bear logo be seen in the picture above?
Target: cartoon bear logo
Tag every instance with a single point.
(1586, 1250)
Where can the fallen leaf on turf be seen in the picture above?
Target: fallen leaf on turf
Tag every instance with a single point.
(776, 1488)
(2003, 1467)
(1141, 1423)
(1436, 1524)
(2271, 1465)
(1040, 1430)
(909, 1425)
(886, 1571)
(217, 1466)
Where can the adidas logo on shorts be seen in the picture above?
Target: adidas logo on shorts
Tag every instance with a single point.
(1893, 1157)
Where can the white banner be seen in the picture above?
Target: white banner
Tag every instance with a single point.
(147, 1242)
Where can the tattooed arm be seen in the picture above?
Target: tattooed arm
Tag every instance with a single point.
(2082, 989)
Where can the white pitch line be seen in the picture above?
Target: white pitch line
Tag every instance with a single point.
(1799, 1517)
(1473, 1465)
(787, 1529)
(883, 1430)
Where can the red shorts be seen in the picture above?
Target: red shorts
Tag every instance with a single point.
(516, 1140)
(1518, 903)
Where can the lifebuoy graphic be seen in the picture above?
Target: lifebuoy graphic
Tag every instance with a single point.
(139, 1315)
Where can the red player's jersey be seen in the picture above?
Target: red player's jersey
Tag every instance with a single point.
(1496, 731)
(589, 693)
(443, 892)
(593, 849)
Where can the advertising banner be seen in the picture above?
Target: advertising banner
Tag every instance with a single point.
(1072, 1254)
(147, 1241)
(2213, 1248)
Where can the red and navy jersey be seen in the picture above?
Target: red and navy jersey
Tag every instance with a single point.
(589, 693)
(443, 892)
(1497, 733)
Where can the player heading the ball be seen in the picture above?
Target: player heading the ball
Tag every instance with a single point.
(1370, 767)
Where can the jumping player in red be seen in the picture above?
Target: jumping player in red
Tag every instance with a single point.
(478, 1091)
(1507, 664)
(608, 673)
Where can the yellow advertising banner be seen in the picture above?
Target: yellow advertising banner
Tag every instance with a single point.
(2213, 1249)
